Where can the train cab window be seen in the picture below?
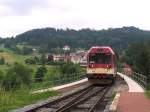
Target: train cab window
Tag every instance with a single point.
(100, 58)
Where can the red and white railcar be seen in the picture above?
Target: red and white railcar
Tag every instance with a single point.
(101, 63)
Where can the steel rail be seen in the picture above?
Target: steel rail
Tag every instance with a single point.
(73, 100)
(48, 104)
(99, 100)
(82, 100)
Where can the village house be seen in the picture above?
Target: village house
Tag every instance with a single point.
(66, 48)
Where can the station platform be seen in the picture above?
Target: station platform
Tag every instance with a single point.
(133, 86)
(62, 86)
(134, 100)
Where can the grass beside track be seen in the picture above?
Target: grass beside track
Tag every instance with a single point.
(20, 98)
(111, 98)
(148, 91)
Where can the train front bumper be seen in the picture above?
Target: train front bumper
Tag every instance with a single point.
(100, 76)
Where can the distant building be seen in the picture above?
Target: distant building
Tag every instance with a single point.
(75, 59)
(82, 53)
(57, 58)
(34, 49)
(83, 63)
(67, 58)
(63, 58)
(66, 48)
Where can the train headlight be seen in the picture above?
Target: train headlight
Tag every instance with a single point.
(108, 66)
(91, 66)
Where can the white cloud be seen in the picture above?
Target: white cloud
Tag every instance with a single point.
(77, 14)
(23, 6)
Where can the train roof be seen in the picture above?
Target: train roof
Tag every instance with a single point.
(107, 49)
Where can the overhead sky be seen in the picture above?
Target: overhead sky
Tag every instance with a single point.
(18, 16)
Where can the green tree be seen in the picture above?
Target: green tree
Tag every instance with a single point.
(43, 59)
(16, 77)
(39, 75)
(1, 77)
(48, 39)
(26, 50)
(70, 68)
(36, 59)
(137, 56)
(30, 61)
(2, 61)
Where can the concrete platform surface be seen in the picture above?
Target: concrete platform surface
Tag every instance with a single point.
(133, 86)
(62, 86)
(133, 102)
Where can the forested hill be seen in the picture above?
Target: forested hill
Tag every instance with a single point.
(48, 38)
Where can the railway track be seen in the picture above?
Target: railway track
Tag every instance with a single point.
(85, 100)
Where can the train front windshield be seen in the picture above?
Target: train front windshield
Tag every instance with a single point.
(100, 58)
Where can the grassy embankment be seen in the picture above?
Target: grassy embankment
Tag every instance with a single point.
(111, 98)
(11, 58)
(20, 98)
(12, 100)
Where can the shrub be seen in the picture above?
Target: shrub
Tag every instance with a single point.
(70, 68)
(39, 75)
(55, 63)
(52, 74)
(30, 61)
(1, 50)
(17, 76)
(26, 50)
(43, 59)
(1, 77)
(2, 61)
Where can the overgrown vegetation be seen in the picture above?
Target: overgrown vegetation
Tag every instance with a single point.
(111, 98)
(2, 61)
(137, 55)
(15, 99)
(10, 57)
(18, 80)
(60, 74)
(17, 76)
(39, 75)
(148, 90)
